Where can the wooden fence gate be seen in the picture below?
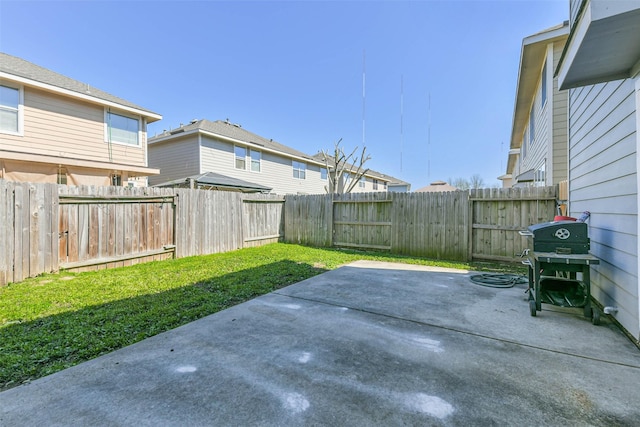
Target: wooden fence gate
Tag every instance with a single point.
(498, 214)
(363, 221)
(104, 227)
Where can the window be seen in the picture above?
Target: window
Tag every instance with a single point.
(122, 129)
(241, 157)
(62, 176)
(323, 173)
(10, 110)
(299, 170)
(255, 160)
(375, 184)
(544, 84)
(532, 126)
(116, 180)
(362, 183)
(540, 178)
(384, 185)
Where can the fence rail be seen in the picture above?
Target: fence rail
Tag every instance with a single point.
(46, 227)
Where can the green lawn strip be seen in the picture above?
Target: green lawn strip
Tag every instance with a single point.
(55, 321)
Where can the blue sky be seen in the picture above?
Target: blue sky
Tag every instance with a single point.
(440, 76)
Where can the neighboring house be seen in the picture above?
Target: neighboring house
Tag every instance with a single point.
(538, 147)
(371, 181)
(56, 129)
(437, 187)
(232, 152)
(600, 67)
(399, 186)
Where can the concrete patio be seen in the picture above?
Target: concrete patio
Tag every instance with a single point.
(367, 344)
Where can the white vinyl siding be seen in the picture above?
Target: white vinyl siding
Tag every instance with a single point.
(275, 170)
(176, 160)
(209, 154)
(55, 125)
(604, 181)
(537, 145)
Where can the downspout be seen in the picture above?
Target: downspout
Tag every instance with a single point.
(637, 81)
(109, 135)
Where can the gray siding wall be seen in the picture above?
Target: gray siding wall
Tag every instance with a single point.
(603, 180)
(177, 159)
(276, 171)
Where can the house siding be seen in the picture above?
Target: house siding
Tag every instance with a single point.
(176, 159)
(58, 126)
(275, 171)
(559, 147)
(537, 150)
(604, 181)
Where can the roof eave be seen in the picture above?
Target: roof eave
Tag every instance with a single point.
(532, 57)
(148, 115)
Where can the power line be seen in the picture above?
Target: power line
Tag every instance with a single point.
(401, 118)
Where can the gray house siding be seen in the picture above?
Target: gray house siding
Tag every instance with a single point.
(604, 181)
(275, 171)
(176, 160)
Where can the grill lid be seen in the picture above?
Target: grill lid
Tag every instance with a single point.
(559, 236)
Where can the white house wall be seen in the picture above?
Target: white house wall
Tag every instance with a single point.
(275, 171)
(604, 181)
(177, 159)
(536, 152)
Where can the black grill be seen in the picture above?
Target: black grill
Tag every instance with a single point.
(557, 253)
(561, 237)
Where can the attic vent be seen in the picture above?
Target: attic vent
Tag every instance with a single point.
(173, 132)
(194, 121)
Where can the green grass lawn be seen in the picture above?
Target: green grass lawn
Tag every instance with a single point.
(55, 321)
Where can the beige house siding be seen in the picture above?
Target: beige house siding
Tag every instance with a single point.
(176, 159)
(559, 153)
(604, 181)
(58, 126)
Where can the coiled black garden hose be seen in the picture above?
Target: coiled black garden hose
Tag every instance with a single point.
(499, 280)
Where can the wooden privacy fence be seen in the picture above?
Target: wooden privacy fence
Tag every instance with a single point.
(460, 225)
(430, 225)
(46, 227)
(496, 216)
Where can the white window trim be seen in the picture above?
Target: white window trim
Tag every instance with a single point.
(20, 89)
(295, 163)
(236, 157)
(249, 151)
(120, 113)
(544, 92)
